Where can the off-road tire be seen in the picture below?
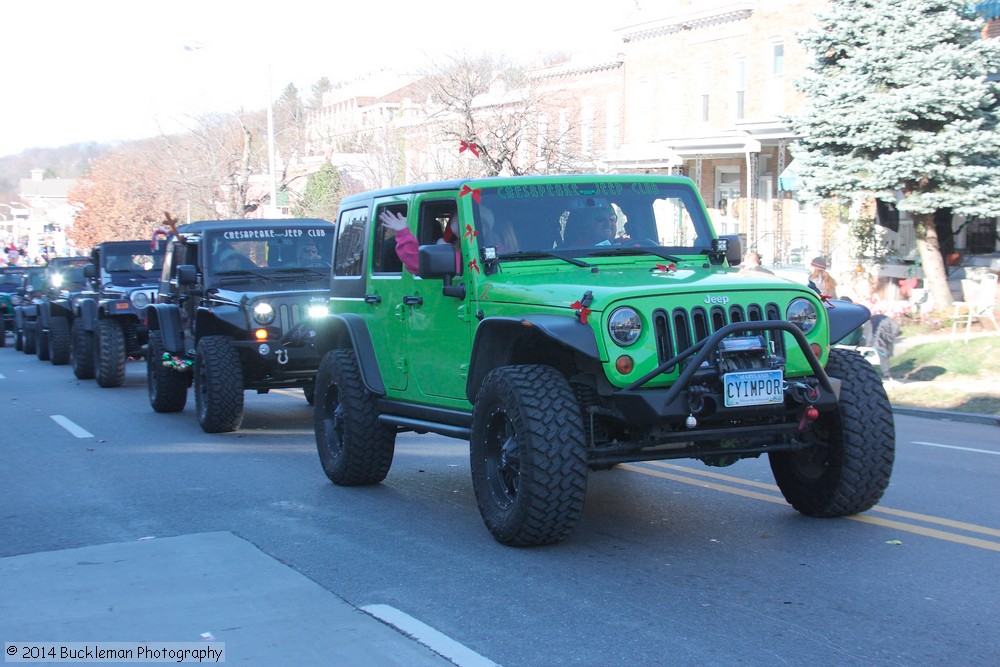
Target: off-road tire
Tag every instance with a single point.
(109, 354)
(218, 385)
(167, 386)
(849, 468)
(41, 342)
(81, 355)
(18, 339)
(309, 391)
(3, 335)
(59, 341)
(354, 448)
(30, 341)
(528, 455)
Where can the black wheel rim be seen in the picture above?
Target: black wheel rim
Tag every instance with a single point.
(503, 461)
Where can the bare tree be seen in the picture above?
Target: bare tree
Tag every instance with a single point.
(123, 198)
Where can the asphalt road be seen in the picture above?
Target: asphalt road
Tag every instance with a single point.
(673, 563)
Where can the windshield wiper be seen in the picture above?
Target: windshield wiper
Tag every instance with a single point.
(303, 269)
(631, 251)
(238, 274)
(541, 254)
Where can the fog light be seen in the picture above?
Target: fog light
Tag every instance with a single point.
(264, 349)
(260, 334)
(624, 364)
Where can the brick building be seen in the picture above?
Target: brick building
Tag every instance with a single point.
(699, 87)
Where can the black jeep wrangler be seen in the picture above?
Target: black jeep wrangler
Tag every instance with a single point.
(46, 320)
(108, 326)
(11, 285)
(234, 311)
(31, 286)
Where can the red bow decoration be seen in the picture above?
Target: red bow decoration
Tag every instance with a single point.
(825, 298)
(469, 232)
(474, 265)
(581, 311)
(476, 193)
(666, 267)
(470, 146)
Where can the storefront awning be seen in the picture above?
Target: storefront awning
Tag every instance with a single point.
(789, 180)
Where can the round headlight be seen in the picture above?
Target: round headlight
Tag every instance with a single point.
(624, 326)
(802, 313)
(57, 280)
(140, 300)
(263, 313)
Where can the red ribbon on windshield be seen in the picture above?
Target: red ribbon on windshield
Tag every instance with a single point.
(476, 193)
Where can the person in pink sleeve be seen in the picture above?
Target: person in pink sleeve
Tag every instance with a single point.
(406, 242)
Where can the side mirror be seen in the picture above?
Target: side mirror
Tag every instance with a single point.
(90, 271)
(438, 261)
(187, 274)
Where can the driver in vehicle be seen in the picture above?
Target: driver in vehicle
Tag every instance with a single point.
(309, 254)
(591, 226)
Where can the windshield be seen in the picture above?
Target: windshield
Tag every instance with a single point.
(591, 219)
(264, 251)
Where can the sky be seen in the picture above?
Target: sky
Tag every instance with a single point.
(108, 70)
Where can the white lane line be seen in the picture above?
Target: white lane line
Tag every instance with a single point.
(71, 427)
(964, 449)
(428, 636)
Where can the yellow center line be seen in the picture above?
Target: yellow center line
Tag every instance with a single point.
(777, 499)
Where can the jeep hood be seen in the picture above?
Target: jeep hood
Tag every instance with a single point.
(611, 284)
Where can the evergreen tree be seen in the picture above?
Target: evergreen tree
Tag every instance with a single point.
(900, 107)
(321, 195)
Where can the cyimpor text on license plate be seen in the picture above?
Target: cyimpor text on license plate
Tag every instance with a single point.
(753, 388)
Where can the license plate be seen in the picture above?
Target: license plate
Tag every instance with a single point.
(753, 388)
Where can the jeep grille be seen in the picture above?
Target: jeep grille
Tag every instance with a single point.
(288, 315)
(679, 329)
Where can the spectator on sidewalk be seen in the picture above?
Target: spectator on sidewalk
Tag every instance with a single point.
(881, 332)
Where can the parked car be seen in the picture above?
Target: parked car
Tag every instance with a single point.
(576, 322)
(234, 312)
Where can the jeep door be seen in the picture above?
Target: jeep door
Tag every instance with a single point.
(438, 327)
(384, 298)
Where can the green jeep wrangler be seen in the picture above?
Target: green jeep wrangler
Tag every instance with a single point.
(588, 320)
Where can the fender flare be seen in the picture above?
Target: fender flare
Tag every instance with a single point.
(495, 335)
(845, 317)
(87, 313)
(347, 330)
(166, 318)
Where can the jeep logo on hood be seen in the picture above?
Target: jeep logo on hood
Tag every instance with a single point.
(716, 299)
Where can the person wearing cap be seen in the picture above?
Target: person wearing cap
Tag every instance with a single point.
(820, 280)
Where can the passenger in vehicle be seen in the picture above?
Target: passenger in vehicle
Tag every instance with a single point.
(407, 245)
(230, 260)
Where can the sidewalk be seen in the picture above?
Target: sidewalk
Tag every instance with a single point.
(210, 589)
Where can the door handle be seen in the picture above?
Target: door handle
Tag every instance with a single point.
(413, 300)
(373, 298)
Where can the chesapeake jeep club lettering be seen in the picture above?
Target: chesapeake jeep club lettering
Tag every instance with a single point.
(272, 233)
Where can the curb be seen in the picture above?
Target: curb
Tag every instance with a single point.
(971, 417)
